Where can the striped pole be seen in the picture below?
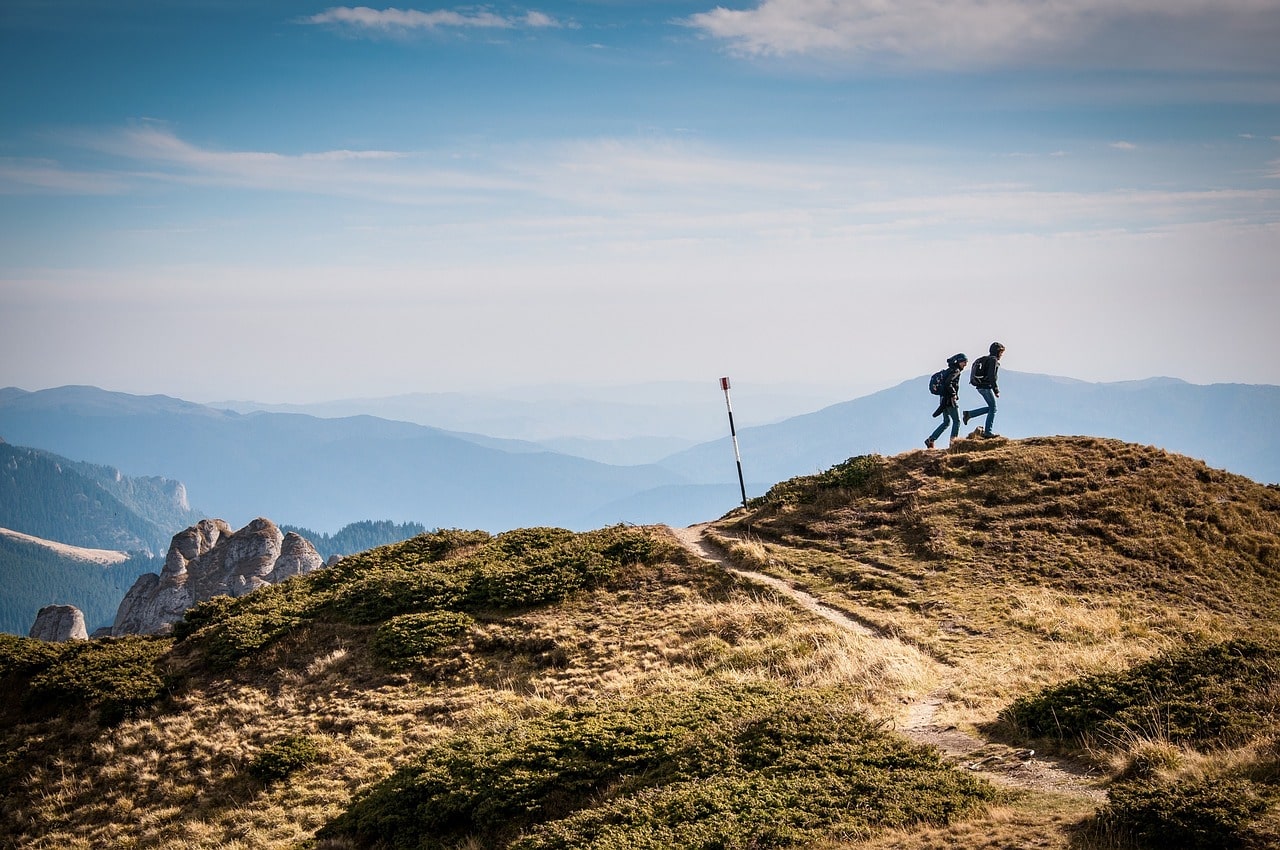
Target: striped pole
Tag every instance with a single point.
(724, 385)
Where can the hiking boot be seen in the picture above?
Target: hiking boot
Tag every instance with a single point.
(988, 436)
(928, 444)
(965, 417)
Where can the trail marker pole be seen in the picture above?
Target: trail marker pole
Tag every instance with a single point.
(724, 385)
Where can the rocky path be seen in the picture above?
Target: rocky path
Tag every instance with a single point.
(1015, 768)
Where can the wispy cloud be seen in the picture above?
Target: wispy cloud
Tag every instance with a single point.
(23, 176)
(664, 189)
(159, 155)
(1124, 146)
(392, 20)
(1202, 34)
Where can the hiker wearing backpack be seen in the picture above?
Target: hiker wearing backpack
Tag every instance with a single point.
(945, 384)
(983, 377)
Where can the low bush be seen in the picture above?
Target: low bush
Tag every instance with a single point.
(1219, 695)
(202, 614)
(20, 656)
(279, 760)
(113, 676)
(717, 766)
(240, 627)
(403, 640)
(1200, 814)
(859, 475)
(385, 593)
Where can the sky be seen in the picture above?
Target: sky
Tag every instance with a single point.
(295, 201)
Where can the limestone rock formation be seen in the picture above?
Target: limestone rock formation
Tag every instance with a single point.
(209, 560)
(59, 623)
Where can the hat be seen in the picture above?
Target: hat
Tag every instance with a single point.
(956, 358)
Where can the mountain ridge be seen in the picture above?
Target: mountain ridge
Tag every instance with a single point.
(287, 465)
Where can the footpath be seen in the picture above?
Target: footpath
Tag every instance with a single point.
(1021, 769)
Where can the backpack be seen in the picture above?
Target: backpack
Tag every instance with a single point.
(937, 382)
(979, 373)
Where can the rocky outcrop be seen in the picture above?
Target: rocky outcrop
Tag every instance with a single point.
(59, 623)
(209, 560)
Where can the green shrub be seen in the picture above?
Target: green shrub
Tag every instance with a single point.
(402, 640)
(533, 566)
(114, 676)
(283, 758)
(243, 626)
(860, 474)
(23, 657)
(1206, 814)
(202, 614)
(1222, 694)
(719, 766)
(385, 593)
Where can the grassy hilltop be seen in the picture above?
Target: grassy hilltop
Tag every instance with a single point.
(1110, 603)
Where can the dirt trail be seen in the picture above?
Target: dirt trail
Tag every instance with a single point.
(1015, 768)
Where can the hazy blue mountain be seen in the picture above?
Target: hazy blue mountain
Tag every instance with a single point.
(670, 410)
(632, 451)
(1226, 425)
(84, 504)
(322, 473)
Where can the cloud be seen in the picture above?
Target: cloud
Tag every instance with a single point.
(976, 34)
(21, 176)
(629, 192)
(1124, 146)
(392, 20)
(388, 176)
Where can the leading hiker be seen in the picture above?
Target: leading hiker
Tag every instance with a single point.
(983, 378)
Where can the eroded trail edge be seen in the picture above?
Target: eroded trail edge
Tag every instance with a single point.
(1021, 769)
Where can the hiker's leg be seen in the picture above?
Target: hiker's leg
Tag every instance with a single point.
(952, 413)
(937, 432)
(989, 396)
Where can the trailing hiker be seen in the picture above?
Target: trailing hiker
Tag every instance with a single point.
(983, 377)
(946, 385)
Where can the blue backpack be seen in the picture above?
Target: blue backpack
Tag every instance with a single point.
(937, 382)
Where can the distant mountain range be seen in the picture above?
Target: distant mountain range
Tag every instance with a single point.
(1225, 425)
(323, 473)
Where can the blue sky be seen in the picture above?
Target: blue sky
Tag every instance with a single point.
(292, 201)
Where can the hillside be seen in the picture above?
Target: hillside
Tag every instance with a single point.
(610, 689)
(87, 505)
(36, 572)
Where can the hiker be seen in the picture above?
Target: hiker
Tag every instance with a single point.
(946, 385)
(983, 377)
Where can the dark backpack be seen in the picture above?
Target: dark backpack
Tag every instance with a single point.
(980, 372)
(937, 382)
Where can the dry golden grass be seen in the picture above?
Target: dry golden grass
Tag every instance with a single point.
(177, 779)
(1025, 563)
(983, 573)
